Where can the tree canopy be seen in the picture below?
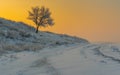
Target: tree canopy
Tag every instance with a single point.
(41, 16)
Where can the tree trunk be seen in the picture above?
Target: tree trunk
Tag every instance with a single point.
(37, 29)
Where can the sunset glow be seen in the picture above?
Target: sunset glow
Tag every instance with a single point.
(95, 20)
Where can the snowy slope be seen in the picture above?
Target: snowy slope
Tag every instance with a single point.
(17, 36)
(82, 59)
(23, 52)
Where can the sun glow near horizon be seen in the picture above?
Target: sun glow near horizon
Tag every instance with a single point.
(95, 20)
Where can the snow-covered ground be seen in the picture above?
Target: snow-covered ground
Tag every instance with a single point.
(23, 52)
(80, 59)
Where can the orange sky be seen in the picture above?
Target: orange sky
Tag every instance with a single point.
(95, 20)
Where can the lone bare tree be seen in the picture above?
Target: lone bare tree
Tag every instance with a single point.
(41, 17)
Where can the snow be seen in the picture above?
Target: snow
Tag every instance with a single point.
(73, 62)
(18, 36)
(23, 52)
(78, 59)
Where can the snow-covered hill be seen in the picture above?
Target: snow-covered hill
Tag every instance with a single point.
(17, 36)
(23, 52)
